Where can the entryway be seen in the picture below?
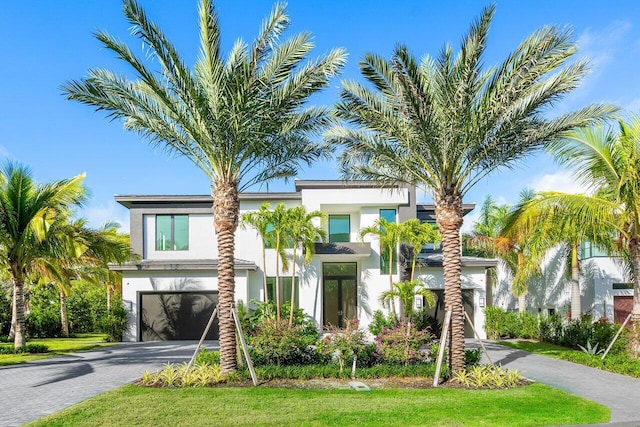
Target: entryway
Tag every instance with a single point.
(339, 293)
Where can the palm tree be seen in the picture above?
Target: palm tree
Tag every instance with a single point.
(27, 213)
(546, 216)
(406, 293)
(260, 221)
(390, 235)
(606, 159)
(279, 238)
(303, 234)
(241, 118)
(483, 238)
(417, 234)
(445, 123)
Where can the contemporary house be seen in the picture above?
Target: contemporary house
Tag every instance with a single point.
(605, 289)
(172, 290)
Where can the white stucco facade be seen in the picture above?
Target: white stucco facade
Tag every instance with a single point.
(168, 282)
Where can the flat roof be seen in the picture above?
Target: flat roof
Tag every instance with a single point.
(127, 200)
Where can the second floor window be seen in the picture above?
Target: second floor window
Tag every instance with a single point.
(339, 228)
(172, 232)
(390, 216)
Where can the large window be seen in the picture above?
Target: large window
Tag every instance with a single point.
(339, 228)
(589, 250)
(285, 287)
(390, 216)
(172, 232)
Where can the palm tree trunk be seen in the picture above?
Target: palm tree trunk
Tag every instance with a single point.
(634, 342)
(576, 309)
(226, 206)
(392, 302)
(264, 273)
(449, 219)
(293, 286)
(522, 303)
(18, 293)
(489, 287)
(63, 314)
(14, 316)
(278, 299)
(108, 298)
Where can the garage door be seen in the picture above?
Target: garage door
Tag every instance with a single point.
(166, 316)
(621, 308)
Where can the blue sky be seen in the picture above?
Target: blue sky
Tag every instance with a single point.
(46, 43)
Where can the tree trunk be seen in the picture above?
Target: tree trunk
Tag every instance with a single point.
(522, 303)
(18, 293)
(108, 298)
(576, 309)
(293, 286)
(14, 316)
(634, 341)
(264, 273)
(392, 300)
(278, 295)
(449, 220)
(64, 323)
(488, 274)
(226, 206)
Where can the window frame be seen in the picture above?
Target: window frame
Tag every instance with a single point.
(335, 216)
(384, 256)
(172, 236)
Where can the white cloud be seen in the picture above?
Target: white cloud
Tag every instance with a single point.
(633, 106)
(97, 215)
(562, 181)
(4, 153)
(470, 219)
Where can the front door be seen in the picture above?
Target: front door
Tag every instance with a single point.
(339, 293)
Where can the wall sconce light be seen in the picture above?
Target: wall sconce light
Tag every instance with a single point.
(481, 301)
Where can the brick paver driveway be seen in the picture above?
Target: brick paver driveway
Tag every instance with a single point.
(32, 390)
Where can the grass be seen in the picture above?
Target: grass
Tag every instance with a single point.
(618, 363)
(533, 405)
(57, 346)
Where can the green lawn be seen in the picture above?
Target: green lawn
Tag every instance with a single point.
(533, 405)
(618, 363)
(56, 346)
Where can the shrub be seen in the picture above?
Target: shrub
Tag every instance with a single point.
(206, 357)
(275, 342)
(529, 325)
(344, 343)
(29, 348)
(488, 376)
(551, 329)
(174, 376)
(500, 324)
(43, 323)
(379, 322)
(86, 306)
(494, 322)
(403, 345)
(115, 323)
(472, 357)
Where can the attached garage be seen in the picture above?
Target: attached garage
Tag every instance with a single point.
(172, 315)
(622, 305)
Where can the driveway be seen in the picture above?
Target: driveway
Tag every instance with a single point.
(618, 392)
(32, 390)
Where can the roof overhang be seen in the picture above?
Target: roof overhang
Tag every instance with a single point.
(180, 264)
(346, 249)
(435, 260)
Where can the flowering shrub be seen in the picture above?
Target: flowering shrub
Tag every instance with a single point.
(404, 344)
(344, 342)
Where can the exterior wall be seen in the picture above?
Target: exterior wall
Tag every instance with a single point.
(553, 289)
(362, 203)
(472, 278)
(140, 281)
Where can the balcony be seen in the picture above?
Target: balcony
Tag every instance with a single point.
(344, 248)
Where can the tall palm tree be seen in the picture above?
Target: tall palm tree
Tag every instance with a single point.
(27, 213)
(241, 119)
(390, 236)
(303, 234)
(417, 234)
(445, 123)
(606, 159)
(260, 221)
(279, 237)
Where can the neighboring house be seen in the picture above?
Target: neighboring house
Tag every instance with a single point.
(605, 290)
(172, 290)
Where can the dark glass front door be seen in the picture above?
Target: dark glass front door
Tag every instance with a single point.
(339, 293)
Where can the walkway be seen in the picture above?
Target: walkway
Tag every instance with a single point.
(618, 392)
(32, 390)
